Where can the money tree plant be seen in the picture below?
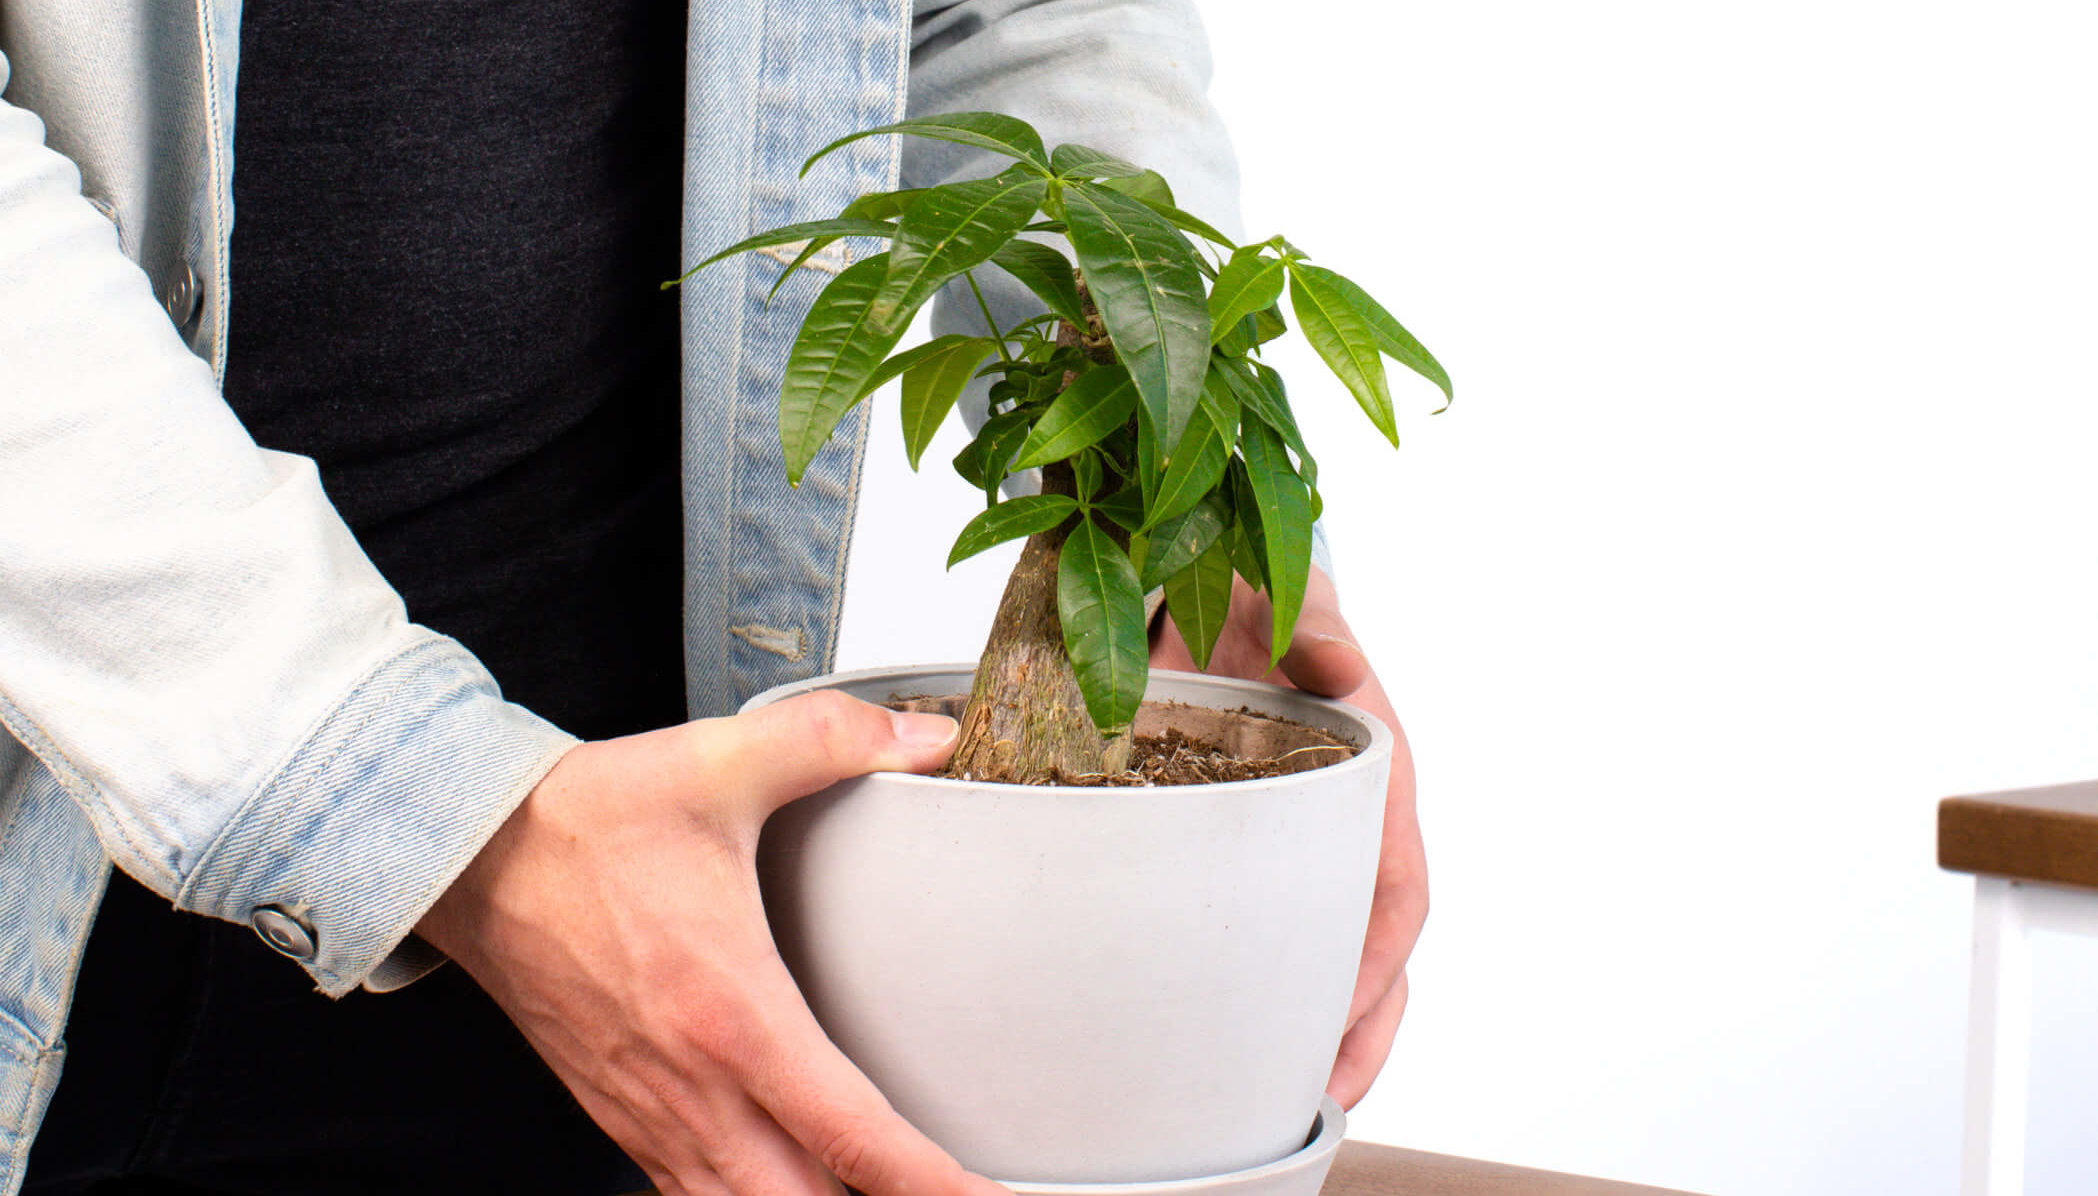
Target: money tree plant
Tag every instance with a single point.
(1167, 453)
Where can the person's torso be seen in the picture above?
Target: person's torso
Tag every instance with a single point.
(140, 95)
(447, 253)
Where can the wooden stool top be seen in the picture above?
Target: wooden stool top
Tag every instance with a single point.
(2048, 834)
(1366, 1169)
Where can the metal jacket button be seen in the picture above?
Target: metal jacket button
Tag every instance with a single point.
(285, 934)
(183, 293)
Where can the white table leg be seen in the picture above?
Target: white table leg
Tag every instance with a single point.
(1999, 1041)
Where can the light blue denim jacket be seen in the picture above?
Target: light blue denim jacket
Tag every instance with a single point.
(202, 679)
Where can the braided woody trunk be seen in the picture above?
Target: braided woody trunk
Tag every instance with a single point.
(1026, 721)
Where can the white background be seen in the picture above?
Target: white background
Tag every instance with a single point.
(1765, 517)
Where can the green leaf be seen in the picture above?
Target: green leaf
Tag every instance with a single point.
(1102, 612)
(1099, 401)
(1176, 542)
(1150, 466)
(1085, 473)
(1143, 279)
(841, 344)
(999, 449)
(1084, 162)
(1150, 186)
(1199, 598)
(1009, 520)
(1196, 466)
(1392, 337)
(1189, 223)
(883, 205)
(788, 233)
(815, 246)
(1046, 272)
(984, 461)
(909, 358)
(1245, 555)
(1269, 324)
(1285, 519)
(1249, 282)
(952, 228)
(1125, 507)
(1221, 403)
(1239, 340)
(1248, 543)
(1262, 395)
(1344, 338)
(1000, 134)
(875, 205)
(1254, 331)
(1283, 422)
(932, 384)
(1194, 471)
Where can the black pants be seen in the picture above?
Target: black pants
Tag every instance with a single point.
(201, 1063)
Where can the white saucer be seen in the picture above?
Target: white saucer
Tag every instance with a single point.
(1299, 1174)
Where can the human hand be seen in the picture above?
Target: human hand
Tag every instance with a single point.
(1323, 659)
(616, 918)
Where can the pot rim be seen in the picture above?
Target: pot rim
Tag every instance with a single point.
(1374, 751)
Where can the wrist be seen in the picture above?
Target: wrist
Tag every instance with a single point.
(455, 923)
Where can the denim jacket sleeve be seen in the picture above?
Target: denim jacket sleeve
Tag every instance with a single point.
(191, 641)
(1130, 77)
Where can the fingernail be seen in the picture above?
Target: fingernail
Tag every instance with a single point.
(923, 730)
(1342, 640)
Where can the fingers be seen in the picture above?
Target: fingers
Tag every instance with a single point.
(1400, 906)
(1366, 1046)
(1396, 917)
(797, 747)
(696, 1133)
(1169, 648)
(835, 1113)
(1327, 663)
(754, 1156)
(1397, 912)
(1323, 657)
(641, 1144)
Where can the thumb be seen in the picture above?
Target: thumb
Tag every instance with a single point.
(793, 748)
(1323, 657)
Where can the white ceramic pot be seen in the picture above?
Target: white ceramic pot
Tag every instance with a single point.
(1083, 985)
(1300, 1174)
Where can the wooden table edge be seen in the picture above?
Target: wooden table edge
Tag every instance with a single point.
(1374, 1169)
(2048, 835)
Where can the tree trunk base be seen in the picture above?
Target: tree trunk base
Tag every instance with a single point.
(1026, 723)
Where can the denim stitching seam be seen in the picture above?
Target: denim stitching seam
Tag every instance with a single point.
(84, 792)
(267, 789)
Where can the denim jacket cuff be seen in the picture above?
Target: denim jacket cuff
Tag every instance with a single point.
(375, 815)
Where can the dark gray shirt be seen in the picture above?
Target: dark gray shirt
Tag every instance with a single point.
(451, 219)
